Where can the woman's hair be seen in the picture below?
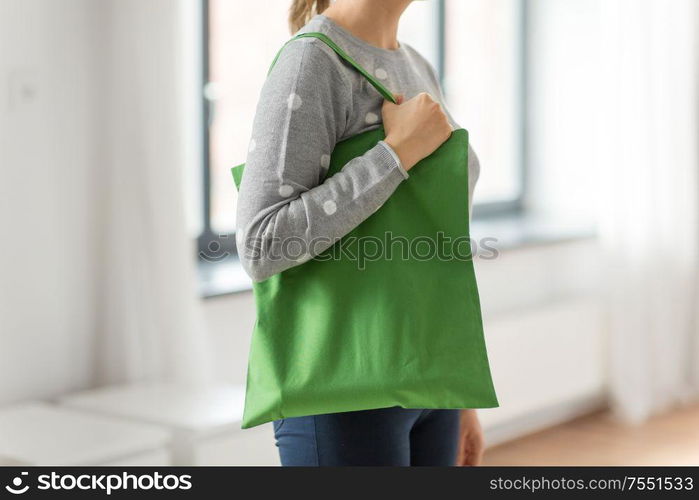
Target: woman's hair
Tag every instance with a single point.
(303, 10)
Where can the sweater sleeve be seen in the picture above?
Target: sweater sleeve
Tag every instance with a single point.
(286, 214)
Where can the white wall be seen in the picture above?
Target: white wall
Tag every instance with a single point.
(547, 336)
(230, 320)
(45, 170)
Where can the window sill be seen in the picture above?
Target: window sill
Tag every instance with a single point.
(224, 277)
(510, 232)
(522, 230)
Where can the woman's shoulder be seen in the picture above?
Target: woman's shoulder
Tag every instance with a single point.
(310, 53)
(420, 61)
(309, 72)
(313, 52)
(308, 62)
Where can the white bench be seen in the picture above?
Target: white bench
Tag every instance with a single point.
(36, 433)
(204, 420)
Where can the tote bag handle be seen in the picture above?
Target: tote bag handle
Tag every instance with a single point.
(327, 41)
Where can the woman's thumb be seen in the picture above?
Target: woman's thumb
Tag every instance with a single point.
(388, 104)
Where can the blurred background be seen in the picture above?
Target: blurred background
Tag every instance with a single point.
(125, 318)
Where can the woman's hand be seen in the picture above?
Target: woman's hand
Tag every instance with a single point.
(415, 128)
(471, 443)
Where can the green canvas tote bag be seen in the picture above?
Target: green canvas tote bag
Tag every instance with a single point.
(356, 328)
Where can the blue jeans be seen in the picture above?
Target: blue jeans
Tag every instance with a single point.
(388, 436)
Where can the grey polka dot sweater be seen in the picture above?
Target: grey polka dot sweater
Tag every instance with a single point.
(312, 100)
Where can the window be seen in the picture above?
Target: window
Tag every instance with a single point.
(484, 82)
(240, 41)
(475, 45)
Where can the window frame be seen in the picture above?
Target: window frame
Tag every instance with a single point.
(515, 206)
(214, 246)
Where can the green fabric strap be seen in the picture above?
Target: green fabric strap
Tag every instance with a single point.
(327, 41)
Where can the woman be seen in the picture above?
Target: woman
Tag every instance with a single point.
(310, 102)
